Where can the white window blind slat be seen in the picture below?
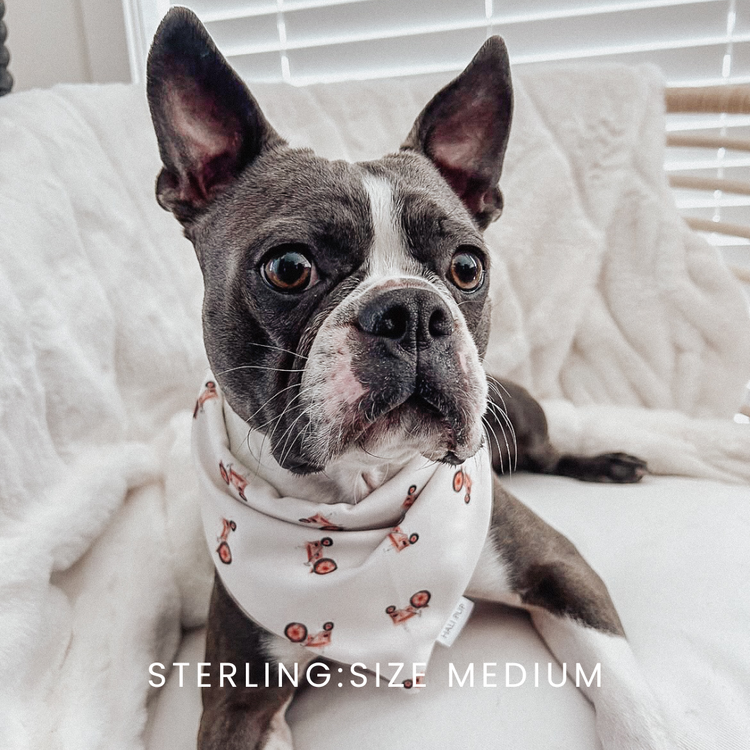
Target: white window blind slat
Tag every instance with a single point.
(617, 32)
(224, 9)
(349, 22)
(538, 10)
(246, 35)
(384, 57)
(689, 65)
(738, 126)
(260, 68)
(228, 11)
(697, 200)
(695, 161)
(729, 214)
(382, 19)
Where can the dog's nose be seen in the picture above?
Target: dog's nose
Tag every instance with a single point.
(412, 317)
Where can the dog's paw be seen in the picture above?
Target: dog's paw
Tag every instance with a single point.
(621, 468)
(641, 729)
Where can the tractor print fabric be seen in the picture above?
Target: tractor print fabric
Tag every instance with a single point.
(372, 582)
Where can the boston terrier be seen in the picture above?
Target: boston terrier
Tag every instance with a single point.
(345, 319)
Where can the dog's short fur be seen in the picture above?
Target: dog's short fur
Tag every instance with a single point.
(376, 355)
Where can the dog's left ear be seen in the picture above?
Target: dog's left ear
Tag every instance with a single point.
(208, 125)
(464, 130)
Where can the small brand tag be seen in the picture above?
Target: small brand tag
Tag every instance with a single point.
(455, 624)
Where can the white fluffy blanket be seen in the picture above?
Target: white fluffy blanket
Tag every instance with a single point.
(604, 301)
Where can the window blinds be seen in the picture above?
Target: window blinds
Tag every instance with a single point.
(305, 41)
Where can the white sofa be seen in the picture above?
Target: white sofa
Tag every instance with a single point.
(606, 306)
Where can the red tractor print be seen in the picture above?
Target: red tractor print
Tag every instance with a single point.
(462, 480)
(321, 522)
(400, 540)
(225, 554)
(208, 393)
(319, 564)
(233, 479)
(410, 683)
(417, 603)
(296, 632)
(410, 497)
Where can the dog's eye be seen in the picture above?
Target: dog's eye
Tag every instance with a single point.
(466, 271)
(288, 269)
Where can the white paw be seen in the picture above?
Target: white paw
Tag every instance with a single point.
(638, 731)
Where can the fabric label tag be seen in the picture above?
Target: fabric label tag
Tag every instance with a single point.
(456, 622)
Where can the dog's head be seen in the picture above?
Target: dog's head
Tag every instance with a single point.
(345, 304)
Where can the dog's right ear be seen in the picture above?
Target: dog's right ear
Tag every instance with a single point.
(208, 125)
(464, 131)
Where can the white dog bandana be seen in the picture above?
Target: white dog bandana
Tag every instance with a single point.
(371, 583)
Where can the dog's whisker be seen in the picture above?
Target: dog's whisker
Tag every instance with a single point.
(277, 421)
(502, 417)
(502, 413)
(428, 462)
(268, 401)
(259, 367)
(494, 382)
(279, 349)
(493, 433)
(287, 432)
(373, 455)
(490, 433)
(298, 406)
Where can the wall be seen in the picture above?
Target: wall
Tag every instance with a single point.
(66, 41)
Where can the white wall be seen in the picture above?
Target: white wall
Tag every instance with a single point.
(66, 41)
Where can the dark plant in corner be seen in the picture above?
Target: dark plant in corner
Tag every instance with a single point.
(6, 80)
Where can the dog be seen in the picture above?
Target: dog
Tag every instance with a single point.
(345, 319)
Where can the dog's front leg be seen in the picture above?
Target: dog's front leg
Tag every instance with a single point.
(526, 563)
(238, 716)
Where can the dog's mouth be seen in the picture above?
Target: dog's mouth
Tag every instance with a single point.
(417, 416)
(416, 420)
(423, 407)
(430, 423)
(414, 409)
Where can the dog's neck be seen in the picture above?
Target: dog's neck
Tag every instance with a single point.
(350, 478)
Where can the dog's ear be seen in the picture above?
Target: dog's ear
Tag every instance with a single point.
(464, 130)
(208, 125)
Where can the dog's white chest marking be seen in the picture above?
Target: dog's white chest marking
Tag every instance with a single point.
(491, 579)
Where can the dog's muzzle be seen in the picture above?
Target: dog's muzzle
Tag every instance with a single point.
(393, 365)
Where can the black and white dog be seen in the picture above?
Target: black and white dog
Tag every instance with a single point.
(345, 320)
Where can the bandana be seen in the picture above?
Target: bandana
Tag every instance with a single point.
(370, 583)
